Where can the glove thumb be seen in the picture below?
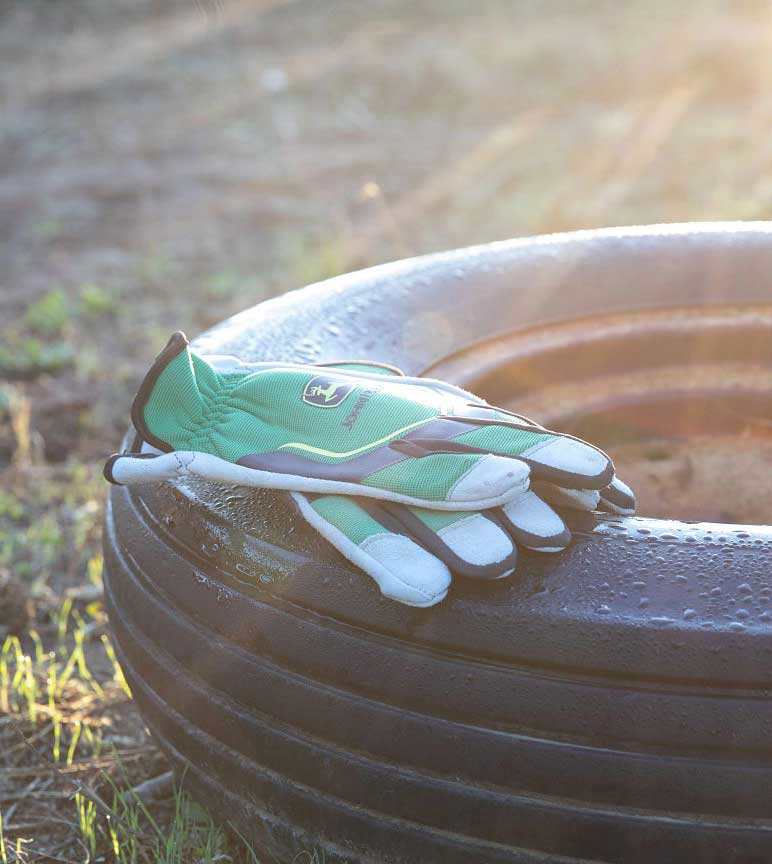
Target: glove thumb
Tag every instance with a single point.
(126, 469)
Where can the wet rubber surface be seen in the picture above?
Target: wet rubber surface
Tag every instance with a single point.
(613, 703)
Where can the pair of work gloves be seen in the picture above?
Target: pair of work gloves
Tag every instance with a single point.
(411, 479)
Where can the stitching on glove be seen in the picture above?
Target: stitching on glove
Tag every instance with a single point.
(183, 463)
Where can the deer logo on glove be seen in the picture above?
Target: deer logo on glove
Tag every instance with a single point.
(325, 392)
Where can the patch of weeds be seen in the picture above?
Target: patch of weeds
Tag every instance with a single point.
(48, 315)
(23, 356)
(75, 758)
(50, 524)
(42, 542)
(10, 506)
(95, 301)
(223, 284)
(60, 698)
(65, 755)
(87, 812)
(63, 693)
(36, 344)
(189, 834)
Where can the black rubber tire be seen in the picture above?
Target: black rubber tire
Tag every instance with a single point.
(523, 721)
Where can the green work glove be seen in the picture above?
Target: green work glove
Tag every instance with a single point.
(306, 429)
(292, 427)
(411, 552)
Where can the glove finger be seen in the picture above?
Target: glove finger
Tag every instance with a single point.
(471, 544)
(618, 498)
(449, 481)
(571, 499)
(126, 469)
(402, 569)
(553, 457)
(570, 463)
(534, 524)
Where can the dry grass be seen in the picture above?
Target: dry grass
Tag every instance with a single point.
(164, 164)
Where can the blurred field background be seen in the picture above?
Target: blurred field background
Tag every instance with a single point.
(165, 163)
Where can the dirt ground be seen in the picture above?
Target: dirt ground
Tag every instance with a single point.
(165, 163)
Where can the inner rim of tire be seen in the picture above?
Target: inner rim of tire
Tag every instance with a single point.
(680, 398)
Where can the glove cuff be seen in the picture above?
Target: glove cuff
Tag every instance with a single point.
(178, 342)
